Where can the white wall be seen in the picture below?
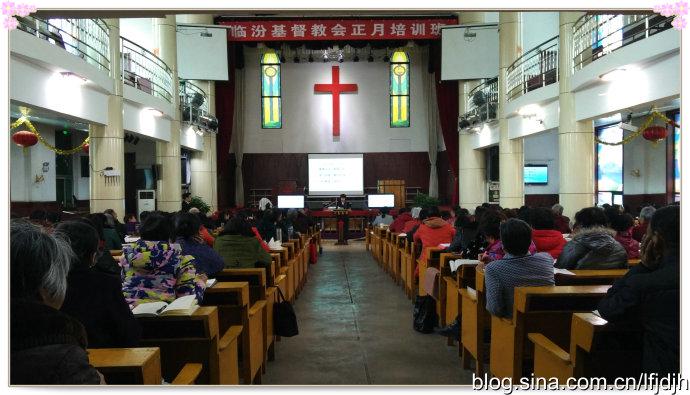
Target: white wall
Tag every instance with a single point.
(25, 165)
(139, 31)
(542, 149)
(136, 119)
(81, 185)
(649, 159)
(307, 117)
(538, 27)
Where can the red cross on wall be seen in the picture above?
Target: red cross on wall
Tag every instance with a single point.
(335, 88)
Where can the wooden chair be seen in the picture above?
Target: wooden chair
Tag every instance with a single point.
(447, 306)
(475, 324)
(546, 309)
(410, 262)
(597, 349)
(128, 365)
(194, 339)
(287, 271)
(234, 308)
(432, 260)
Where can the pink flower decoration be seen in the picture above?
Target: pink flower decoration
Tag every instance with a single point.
(681, 8)
(657, 8)
(679, 23)
(25, 9)
(10, 23)
(8, 8)
(666, 10)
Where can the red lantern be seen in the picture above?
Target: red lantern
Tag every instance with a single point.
(655, 133)
(24, 138)
(85, 148)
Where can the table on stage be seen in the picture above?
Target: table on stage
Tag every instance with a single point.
(358, 219)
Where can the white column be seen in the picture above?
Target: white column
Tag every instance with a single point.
(106, 146)
(511, 158)
(575, 138)
(471, 162)
(169, 185)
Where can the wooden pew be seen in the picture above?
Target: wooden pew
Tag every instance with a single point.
(475, 324)
(398, 246)
(590, 277)
(547, 309)
(597, 349)
(137, 366)
(432, 260)
(258, 291)
(234, 308)
(447, 306)
(367, 238)
(287, 271)
(194, 339)
(408, 267)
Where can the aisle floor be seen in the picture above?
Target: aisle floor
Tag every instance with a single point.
(355, 327)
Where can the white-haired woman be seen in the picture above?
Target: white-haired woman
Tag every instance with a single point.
(46, 346)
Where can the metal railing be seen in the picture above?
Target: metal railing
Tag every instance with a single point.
(145, 71)
(85, 38)
(482, 102)
(193, 102)
(536, 68)
(598, 35)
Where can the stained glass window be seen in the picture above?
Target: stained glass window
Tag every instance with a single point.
(271, 112)
(609, 166)
(400, 90)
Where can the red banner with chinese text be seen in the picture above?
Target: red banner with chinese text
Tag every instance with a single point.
(337, 29)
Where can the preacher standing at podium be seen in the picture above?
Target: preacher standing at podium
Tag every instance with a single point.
(343, 203)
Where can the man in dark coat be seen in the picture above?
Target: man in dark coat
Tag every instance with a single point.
(649, 294)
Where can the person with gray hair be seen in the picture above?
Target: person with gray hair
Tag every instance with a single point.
(561, 222)
(640, 229)
(46, 345)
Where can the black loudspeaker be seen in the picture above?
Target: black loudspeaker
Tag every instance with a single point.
(492, 158)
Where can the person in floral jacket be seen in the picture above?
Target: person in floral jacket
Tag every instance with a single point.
(154, 269)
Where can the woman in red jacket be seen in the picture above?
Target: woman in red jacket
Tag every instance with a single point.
(433, 231)
(623, 224)
(544, 233)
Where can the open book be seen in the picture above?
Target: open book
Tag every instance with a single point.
(185, 305)
(563, 271)
(455, 264)
(211, 282)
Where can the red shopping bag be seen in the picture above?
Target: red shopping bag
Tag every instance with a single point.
(313, 253)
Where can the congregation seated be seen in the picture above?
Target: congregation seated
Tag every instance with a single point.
(105, 263)
(110, 236)
(95, 298)
(248, 216)
(267, 226)
(517, 268)
(188, 236)
(383, 218)
(593, 245)
(433, 231)
(640, 229)
(561, 222)
(649, 294)
(544, 233)
(490, 227)
(46, 345)
(301, 222)
(203, 231)
(239, 248)
(417, 221)
(414, 221)
(131, 224)
(623, 224)
(155, 269)
(114, 222)
(398, 223)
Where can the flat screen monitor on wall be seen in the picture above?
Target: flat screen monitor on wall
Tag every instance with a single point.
(333, 174)
(381, 200)
(290, 201)
(536, 174)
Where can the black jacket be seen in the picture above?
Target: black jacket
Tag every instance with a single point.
(96, 300)
(593, 248)
(652, 299)
(47, 347)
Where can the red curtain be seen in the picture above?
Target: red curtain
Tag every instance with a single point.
(225, 109)
(447, 101)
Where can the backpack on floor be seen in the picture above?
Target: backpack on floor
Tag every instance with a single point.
(284, 318)
(424, 316)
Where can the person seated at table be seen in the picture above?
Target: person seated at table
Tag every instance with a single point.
(421, 217)
(46, 345)
(398, 223)
(649, 294)
(544, 233)
(433, 231)
(640, 229)
(188, 235)
(203, 231)
(623, 224)
(383, 218)
(414, 221)
(113, 221)
(490, 228)
(342, 202)
(561, 222)
(155, 269)
(517, 268)
(93, 297)
(110, 236)
(131, 224)
(592, 245)
(239, 248)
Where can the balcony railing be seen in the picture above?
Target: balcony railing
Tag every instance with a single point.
(85, 38)
(481, 103)
(145, 71)
(536, 68)
(193, 102)
(598, 35)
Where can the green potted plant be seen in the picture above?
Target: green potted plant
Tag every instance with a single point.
(425, 201)
(199, 203)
